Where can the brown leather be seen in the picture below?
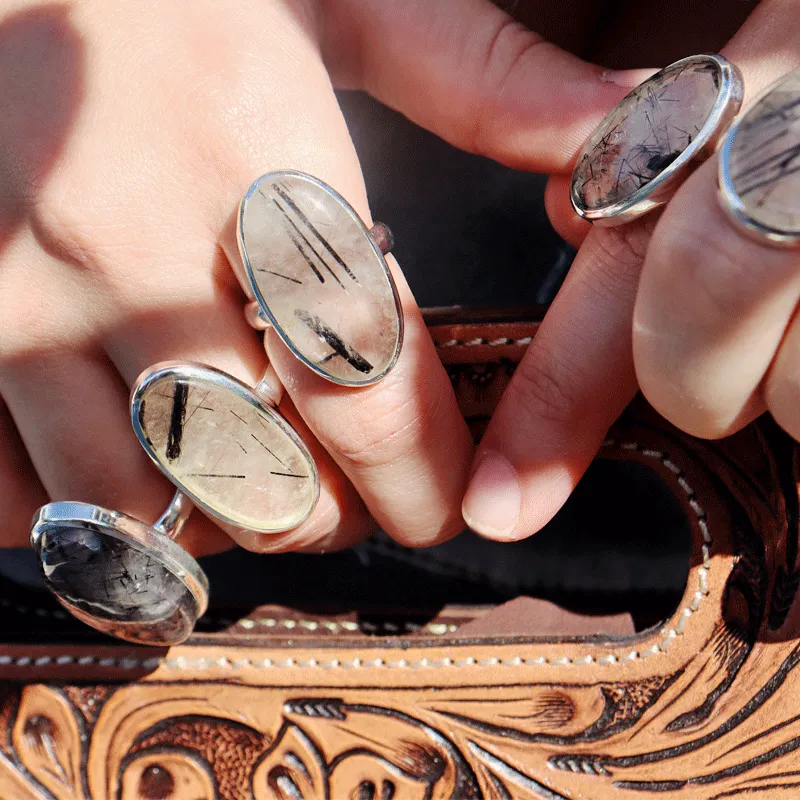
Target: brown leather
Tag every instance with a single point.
(705, 704)
(532, 616)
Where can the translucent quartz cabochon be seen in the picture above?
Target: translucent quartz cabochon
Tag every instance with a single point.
(229, 452)
(645, 133)
(764, 158)
(130, 590)
(320, 278)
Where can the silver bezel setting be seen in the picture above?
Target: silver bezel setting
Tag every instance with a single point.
(252, 289)
(729, 198)
(188, 371)
(659, 190)
(135, 534)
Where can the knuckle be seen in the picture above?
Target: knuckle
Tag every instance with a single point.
(437, 531)
(701, 408)
(75, 236)
(616, 263)
(389, 421)
(332, 526)
(623, 248)
(133, 259)
(510, 46)
(543, 389)
(719, 269)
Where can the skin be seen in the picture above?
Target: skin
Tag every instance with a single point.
(129, 132)
(679, 305)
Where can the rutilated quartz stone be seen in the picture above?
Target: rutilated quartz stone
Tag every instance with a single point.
(228, 451)
(129, 589)
(763, 159)
(645, 133)
(320, 278)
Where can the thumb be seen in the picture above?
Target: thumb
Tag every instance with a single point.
(470, 73)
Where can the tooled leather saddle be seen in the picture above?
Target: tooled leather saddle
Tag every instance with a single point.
(470, 701)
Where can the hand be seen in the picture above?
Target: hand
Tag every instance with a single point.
(129, 132)
(686, 308)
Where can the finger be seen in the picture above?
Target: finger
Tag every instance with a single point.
(574, 381)
(71, 410)
(340, 518)
(490, 85)
(588, 369)
(21, 492)
(209, 327)
(422, 446)
(68, 405)
(568, 225)
(401, 441)
(713, 302)
(179, 294)
(205, 323)
(765, 47)
(712, 309)
(781, 389)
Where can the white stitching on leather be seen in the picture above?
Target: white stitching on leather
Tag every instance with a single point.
(184, 664)
(503, 341)
(435, 628)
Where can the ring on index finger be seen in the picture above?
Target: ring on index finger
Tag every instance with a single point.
(646, 146)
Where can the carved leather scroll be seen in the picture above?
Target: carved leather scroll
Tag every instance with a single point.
(705, 705)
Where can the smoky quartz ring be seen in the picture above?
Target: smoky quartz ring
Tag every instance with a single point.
(759, 166)
(119, 575)
(641, 152)
(314, 272)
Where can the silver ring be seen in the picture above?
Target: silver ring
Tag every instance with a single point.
(225, 446)
(640, 153)
(759, 166)
(313, 271)
(119, 575)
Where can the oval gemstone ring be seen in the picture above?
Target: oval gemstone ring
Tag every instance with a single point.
(316, 274)
(759, 166)
(223, 445)
(119, 575)
(646, 146)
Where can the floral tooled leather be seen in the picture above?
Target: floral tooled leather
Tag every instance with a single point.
(703, 705)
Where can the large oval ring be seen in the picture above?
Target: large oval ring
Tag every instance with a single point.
(119, 575)
(222, 444)
(646, 146)
(315, 273)
(759, 166)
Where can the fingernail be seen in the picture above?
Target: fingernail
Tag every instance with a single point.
(491, 505)
(627, 78)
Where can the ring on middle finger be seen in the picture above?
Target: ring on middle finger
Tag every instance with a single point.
(645, 147)
(315, 273)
